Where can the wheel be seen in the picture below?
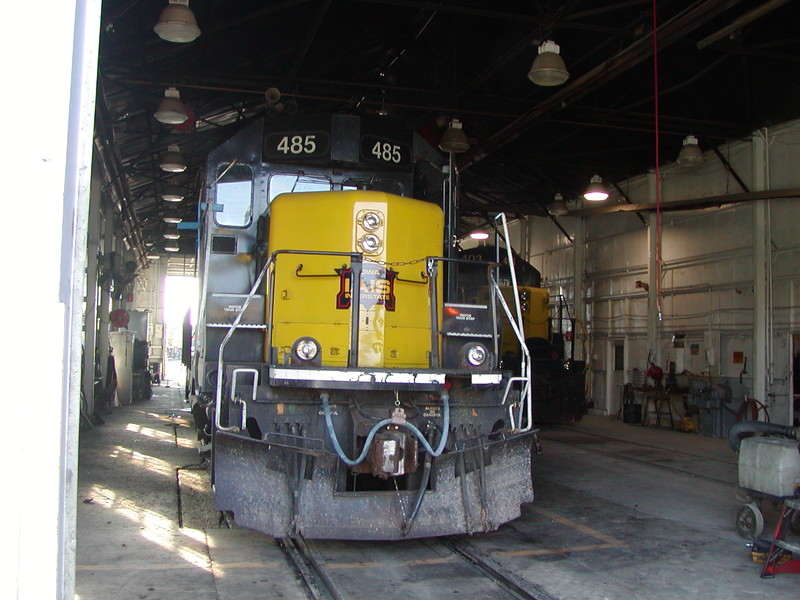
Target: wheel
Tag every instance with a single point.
(749, 521)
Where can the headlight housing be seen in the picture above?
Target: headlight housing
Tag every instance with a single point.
(475, 355)
(370, 243)
(370, 221)
(307, 350)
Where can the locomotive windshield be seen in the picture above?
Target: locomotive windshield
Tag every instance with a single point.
(235, 195)
(283, 183)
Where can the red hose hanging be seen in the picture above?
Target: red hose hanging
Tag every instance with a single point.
(658, 161)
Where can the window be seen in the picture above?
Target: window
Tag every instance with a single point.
(619, 357)
(235, 194)
(389, 186)
(282, 183)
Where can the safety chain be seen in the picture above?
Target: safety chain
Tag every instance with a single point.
(401, 263)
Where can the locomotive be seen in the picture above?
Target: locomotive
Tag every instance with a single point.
(347, 370)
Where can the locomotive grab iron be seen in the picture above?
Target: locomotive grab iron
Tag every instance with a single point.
(343, 392)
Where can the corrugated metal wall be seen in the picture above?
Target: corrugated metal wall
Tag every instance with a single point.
(709, 274)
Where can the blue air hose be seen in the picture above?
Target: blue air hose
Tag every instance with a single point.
(335, 440)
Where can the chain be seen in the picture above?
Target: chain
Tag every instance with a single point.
(399, 263)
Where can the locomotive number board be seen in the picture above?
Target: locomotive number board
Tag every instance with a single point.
(376, 149)
(299, 145)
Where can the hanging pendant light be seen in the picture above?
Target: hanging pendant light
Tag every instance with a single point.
(548, 68)
(596, 192)
(171, 111)
(172, 218)
(690, 154)
(454, 139)
(479, 235)
(558, 208)
(172, 160)
(172, 193)
(382, 112)
(171, 247)
(177, 23)
(171, 235)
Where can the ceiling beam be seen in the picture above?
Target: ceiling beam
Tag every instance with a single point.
(608, 70)
(688, 204)
(737, 24)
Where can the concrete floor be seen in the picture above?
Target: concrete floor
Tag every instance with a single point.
(622, 512)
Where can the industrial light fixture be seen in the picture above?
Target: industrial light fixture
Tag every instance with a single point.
(548, 68)
(454, 139)
(172, 218)
(558, 208)
(479, 235)
(171, 235)
(382, 112)
(152, 256)
(596, 192)
(177, 23)
(690, 154)
(172, 193)
(172, 160)
(171, 247)
(171, 111)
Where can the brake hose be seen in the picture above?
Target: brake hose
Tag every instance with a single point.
(352, 462)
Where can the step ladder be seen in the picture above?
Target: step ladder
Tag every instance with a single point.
(779, 546)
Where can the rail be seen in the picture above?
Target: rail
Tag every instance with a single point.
(234, 325)
(525, 406)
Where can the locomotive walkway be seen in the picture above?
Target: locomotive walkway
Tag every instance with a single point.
(622, 512)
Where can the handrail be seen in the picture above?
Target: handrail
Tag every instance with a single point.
(355, 261)
(236, 399)
(234, 325)
(518, 327)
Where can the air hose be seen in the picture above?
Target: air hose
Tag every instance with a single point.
(423, 486)
(352, 462)
(759, 427)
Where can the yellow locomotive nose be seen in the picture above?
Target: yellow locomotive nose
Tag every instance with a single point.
(312, 293)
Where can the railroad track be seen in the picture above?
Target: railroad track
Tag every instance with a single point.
(514, 585)
(319, 582)
(310, 568)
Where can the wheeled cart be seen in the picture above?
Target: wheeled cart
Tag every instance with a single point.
(750, 516)
(769, 473)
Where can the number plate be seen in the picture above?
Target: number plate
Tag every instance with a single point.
(296, 145)
(387, 152)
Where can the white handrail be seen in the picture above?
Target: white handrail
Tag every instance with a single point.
(518, 327)
(234, 325)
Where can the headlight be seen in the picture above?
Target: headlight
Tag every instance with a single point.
(371, 221)
(306, 349)
(370, 243)
(476, 355)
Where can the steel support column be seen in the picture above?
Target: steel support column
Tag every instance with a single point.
(104, 308)
(92, 293)
(653, 277)
(762, 343)
(579, 285)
